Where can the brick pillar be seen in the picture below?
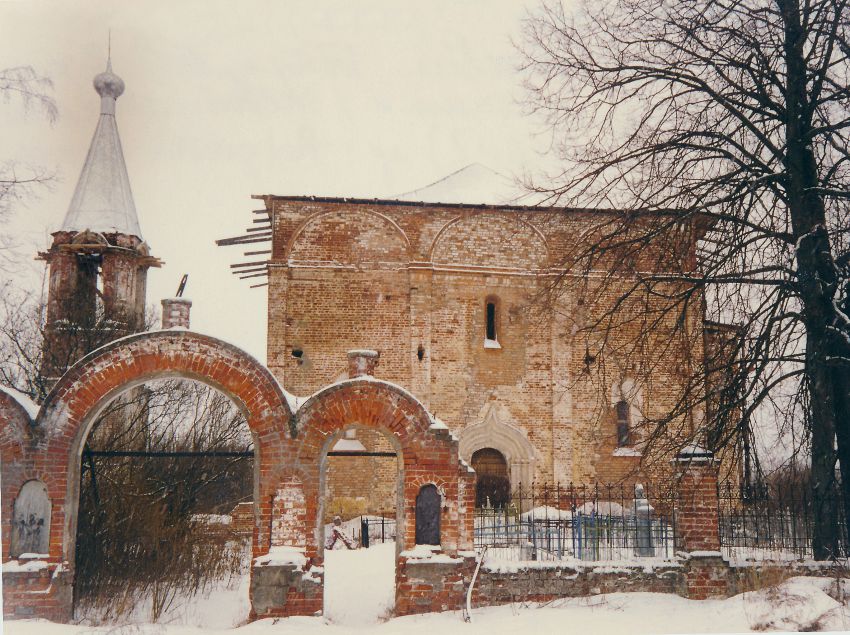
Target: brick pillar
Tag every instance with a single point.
(175, 313)
(697, 518)
(466, 508)
(362, 362)
(697, 524)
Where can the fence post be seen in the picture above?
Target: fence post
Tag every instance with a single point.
(697, 524)
(698, 506)
(364, 532)
(643, 523)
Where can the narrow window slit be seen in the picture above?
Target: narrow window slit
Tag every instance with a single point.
(491, 321)
(623, 424)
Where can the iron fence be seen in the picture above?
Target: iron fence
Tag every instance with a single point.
(777, 522)
(599, 522)
(373, 530)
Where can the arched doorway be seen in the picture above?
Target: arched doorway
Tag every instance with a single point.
(289, 446)
(492, 484)
(427, 454)
(498, 430)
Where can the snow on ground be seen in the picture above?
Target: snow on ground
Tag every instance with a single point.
(359, 593)
(801, 603)
(359, 584)
(222, 605)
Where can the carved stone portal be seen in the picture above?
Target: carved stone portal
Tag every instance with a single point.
(495, 430)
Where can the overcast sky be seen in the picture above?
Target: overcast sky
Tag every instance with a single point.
(228, 99)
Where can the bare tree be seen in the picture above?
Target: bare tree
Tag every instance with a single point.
(23, 328)
(24, 84)
(723, 122)
(148, 487)
(18, 181)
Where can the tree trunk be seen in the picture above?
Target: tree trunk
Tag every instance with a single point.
(817, 280)
(822, 413)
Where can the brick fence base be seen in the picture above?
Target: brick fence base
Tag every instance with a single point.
(424, 586)
(285, 590)
(45, 591)
(707, 576)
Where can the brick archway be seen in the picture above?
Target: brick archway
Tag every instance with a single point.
(53, 445)
(74, 403)
(427, 452)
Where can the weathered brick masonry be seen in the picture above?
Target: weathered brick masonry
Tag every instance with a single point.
(412, 280)
(291, 449)
(48, 450)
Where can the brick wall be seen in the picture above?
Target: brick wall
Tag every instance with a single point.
(357, 485)
(412, 281)
(243, 518)
(291, 448)
(423, 586)
(49, 450)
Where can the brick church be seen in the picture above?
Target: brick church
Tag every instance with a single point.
(448, 291)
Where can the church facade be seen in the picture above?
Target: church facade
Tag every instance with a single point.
(453, 298)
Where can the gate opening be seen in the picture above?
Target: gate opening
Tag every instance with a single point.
(165, 509)
(360, 494)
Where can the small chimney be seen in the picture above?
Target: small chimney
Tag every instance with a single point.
(175, 313)
(362, 362)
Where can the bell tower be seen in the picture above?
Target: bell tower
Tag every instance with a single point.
(98, 260)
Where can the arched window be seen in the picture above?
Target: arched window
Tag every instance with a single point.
(491, 321)
(624, 424)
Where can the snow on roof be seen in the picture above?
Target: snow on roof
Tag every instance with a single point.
(103, 201)
(473, 184)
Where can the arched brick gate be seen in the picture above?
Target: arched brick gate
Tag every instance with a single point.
(428, 454)
(290, 452)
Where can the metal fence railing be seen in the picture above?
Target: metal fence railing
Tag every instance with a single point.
(778, 522)
(599, 522)
(373, 530)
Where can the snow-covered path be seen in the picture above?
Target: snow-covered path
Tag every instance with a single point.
(359, 584)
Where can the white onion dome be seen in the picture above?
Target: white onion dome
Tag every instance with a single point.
(103, 201)
(108, 84)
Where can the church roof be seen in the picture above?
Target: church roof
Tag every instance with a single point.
(103, 201)
(473, 184)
